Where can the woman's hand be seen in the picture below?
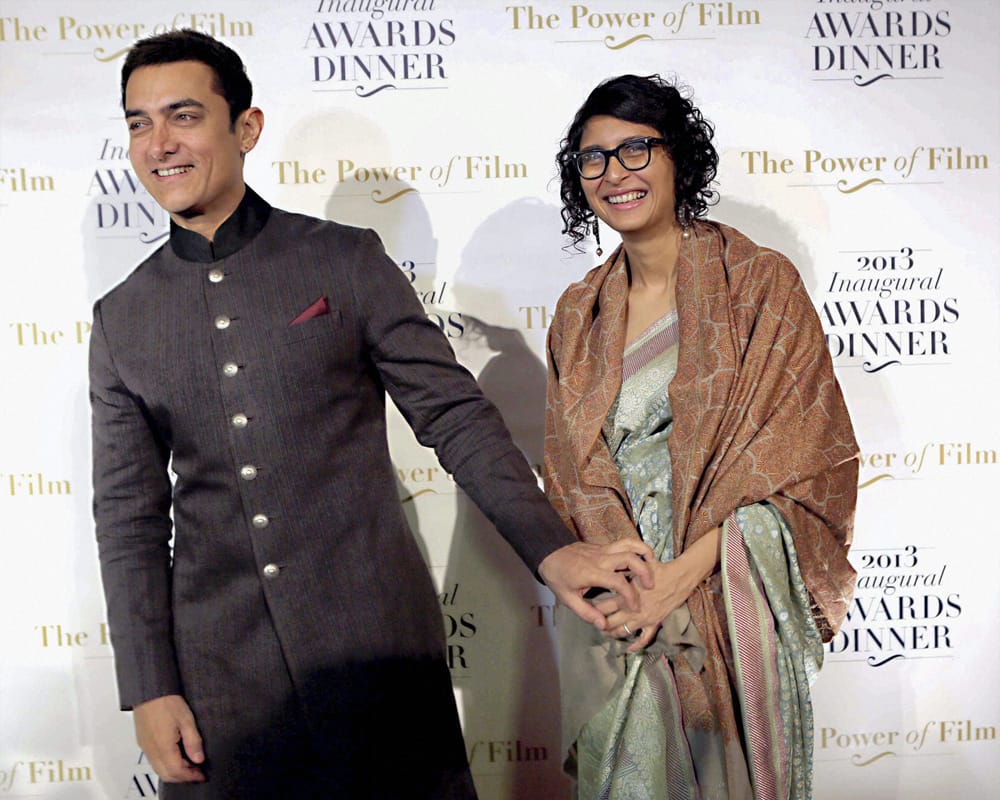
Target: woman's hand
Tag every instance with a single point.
(673, 583)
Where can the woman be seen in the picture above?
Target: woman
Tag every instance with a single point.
(692, 401)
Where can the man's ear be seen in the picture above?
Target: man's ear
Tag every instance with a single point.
(249, 125)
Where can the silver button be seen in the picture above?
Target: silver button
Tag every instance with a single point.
(216, 275)
(248, 472)
(260, 521)
(222, 322)
(230, 368)
(271, 571)
(240, 420)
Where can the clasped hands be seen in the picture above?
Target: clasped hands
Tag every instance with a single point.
(645, 591)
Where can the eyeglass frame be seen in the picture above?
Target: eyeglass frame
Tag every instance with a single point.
(648, 141)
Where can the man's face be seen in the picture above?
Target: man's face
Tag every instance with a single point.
(182, 146)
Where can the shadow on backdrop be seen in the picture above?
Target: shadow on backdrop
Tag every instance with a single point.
(510, 691)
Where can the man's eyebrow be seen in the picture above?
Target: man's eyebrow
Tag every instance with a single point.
(187, 102)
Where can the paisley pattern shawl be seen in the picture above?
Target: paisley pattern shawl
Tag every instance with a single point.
(758, 414)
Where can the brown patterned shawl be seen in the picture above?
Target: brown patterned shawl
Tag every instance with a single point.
(758, 415)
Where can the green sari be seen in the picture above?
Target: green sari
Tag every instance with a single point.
(625, 726)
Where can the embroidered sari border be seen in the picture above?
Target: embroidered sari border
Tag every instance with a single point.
(754, 649)
(661, 336)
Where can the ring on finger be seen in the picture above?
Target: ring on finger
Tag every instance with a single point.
(625, 626)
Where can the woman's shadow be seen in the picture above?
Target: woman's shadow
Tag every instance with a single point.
(506, 666)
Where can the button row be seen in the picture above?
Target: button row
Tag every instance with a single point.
(248, 471)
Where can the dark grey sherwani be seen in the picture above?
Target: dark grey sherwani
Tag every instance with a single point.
(296, 617)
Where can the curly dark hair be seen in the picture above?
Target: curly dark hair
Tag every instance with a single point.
(231, 79)
(659, 104)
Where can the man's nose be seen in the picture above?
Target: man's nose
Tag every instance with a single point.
(162, 142)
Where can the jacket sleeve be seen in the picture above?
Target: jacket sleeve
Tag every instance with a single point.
(132, 495)
(446, 409)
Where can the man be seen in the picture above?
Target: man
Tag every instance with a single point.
(291, 644)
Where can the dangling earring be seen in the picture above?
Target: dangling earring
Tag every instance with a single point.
(597, 237)
(685, 220)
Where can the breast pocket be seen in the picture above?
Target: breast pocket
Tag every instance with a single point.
(317, 327)
(312, 357)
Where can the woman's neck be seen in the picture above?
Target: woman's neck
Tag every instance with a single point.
(652, 259)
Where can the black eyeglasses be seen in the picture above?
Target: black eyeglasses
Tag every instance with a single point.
(633, 154)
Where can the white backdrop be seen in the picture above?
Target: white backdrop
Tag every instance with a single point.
(857, 136)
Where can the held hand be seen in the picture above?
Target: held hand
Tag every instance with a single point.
(163, 726)
(674, 582)
(571, 571)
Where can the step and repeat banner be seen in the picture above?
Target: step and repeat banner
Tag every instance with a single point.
(859, 137)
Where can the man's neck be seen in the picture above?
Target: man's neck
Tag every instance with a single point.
(205, 225)
(189, 240)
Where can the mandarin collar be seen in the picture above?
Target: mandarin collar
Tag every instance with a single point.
(234, 234)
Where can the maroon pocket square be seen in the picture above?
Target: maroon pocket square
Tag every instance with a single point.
(317, 309)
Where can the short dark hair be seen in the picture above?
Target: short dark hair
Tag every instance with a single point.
(231, 79)
(659, 104)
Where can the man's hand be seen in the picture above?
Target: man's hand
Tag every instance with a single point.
(675, 581)
(163, 726)
(571, 571)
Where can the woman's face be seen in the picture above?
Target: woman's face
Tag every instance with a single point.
(633, 203)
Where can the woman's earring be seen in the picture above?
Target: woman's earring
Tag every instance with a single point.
(685, 220)
(597, 237)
